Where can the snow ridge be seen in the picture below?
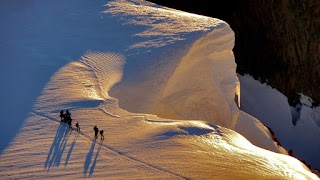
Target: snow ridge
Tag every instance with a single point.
(108, 68)
(139, 144)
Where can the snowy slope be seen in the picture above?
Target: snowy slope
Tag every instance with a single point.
(118, 67)
(277, 114)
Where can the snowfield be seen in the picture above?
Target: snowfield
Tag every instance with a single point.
(161, 83)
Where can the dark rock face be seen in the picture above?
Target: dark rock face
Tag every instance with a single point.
(277, 42)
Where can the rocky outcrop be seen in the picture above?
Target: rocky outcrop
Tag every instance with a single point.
(277, 42)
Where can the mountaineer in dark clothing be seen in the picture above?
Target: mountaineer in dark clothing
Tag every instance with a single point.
(102, 136)
(61, 115)
(96, 130)
(78, 127)
(67, 115)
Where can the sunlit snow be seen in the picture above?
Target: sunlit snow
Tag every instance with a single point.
(161, 83)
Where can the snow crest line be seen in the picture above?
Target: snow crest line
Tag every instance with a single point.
(107, 68)
(51, 161)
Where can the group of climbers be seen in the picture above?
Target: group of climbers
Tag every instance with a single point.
(96, 130)
(66, 117)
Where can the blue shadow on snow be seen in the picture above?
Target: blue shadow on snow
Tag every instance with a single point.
(58, 146)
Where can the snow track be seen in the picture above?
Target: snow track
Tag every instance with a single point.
(66, 133)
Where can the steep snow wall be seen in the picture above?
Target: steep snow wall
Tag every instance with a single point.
(198, 81)
(204, 84)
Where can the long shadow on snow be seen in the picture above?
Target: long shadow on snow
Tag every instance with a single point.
(93, 166)
(59, 143)
(66, 45)
(71, 149)
(88, 159)
(57, 148)
(89, 156)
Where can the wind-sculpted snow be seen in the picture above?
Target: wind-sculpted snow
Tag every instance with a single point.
(166, 111)
(107, 67)
(166, 25)
(197, 82)
(204, 84)
(200, 83)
